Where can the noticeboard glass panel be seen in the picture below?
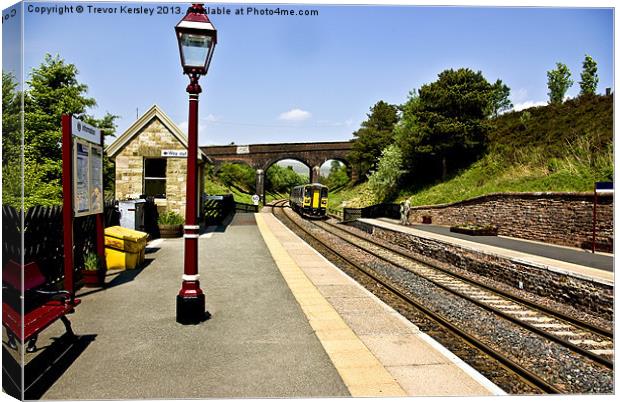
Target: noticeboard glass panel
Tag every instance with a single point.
(87, 178)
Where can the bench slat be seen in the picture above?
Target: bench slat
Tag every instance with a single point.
(36, 320)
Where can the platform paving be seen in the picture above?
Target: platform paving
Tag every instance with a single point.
(376, 350)
(535, 253)
(586, 258)
(257, 343)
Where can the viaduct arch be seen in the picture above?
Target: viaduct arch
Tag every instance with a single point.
(261, 156)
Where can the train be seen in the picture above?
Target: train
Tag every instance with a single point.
(309, 200)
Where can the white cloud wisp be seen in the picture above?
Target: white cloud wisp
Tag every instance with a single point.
(295, 115)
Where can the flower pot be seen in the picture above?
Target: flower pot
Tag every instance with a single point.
(170, 231)
(93, 279)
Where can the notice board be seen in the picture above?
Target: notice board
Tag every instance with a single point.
(87, 178)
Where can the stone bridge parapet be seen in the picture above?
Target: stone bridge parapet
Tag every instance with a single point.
(262, 156)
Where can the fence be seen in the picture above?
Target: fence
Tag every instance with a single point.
(217, 207)
(374, 211)
(241, 207)
(42, 231)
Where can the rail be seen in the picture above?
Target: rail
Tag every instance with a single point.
(528, 376)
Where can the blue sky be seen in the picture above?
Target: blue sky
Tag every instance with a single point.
(312, 78)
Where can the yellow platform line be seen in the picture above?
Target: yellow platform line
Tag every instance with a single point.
(359, 369)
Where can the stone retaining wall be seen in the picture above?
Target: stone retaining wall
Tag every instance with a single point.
(559, 218)
(592, 296)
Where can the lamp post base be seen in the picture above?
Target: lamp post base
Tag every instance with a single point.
(191, 310)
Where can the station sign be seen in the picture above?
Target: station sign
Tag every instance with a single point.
(602, 187)
(174, 153)
(243, 149)
(85, 131)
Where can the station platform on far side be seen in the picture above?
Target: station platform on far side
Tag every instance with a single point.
(566, 260)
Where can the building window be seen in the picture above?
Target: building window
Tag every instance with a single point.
(155, 177)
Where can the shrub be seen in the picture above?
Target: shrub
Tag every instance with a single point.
(383, 183)
(236, 174)
(170, 218)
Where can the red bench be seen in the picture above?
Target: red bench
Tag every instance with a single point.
(42, 307)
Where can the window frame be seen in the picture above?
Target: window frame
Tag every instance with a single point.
(155, 178)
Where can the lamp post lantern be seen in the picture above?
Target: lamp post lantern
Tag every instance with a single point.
(197, 38)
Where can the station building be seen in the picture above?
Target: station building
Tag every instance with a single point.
(151, 161)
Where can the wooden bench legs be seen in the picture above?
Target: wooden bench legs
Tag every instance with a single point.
(12, 342)
(32, 344)
(32, 341)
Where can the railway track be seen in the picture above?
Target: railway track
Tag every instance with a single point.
(589, 343)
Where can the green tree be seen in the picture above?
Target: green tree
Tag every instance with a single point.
(405, 131)
(373, 136)
(53, 90)
(383, 183)
(11, 125)
(558, 82)
(499, 98)
(283, 179)
(589, 77)
(35, 188)
(238, 175)
(445, 121)
(337, 176)
(11, 141)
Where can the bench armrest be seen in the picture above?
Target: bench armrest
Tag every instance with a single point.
(64, 293)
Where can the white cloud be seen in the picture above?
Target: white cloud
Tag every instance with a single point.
(527, 105)
(211, 118)
(295, 115)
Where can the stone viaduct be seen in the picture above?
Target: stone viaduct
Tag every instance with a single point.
(262, 156)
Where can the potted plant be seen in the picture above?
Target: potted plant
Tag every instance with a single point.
(92, 274)
(170, 224)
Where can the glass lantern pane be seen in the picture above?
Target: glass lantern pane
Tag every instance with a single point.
(195, 49)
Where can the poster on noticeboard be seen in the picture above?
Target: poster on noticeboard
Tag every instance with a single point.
(87, 178)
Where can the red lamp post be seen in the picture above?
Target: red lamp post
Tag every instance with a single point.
(197, 38)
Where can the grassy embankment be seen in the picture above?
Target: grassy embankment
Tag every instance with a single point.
(214, 186)
(547, 148)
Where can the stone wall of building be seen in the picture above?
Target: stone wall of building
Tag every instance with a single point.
(149, 143)
(595, 297)
(559, 218)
